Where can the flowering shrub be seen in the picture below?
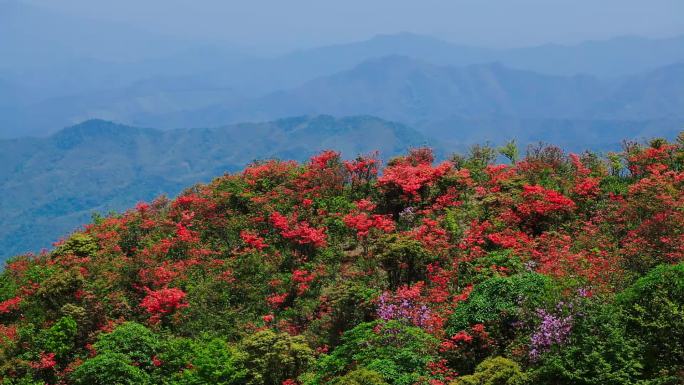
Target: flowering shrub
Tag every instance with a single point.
(412, 173)
(405, 305)
(253, 240)
(336, 271)
(10, 305)
(46, 361)
(552, 330)
(540, 201)
(363, 223)
(301, 232)
(162, 302)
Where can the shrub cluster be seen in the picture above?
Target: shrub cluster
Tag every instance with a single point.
(553, 269)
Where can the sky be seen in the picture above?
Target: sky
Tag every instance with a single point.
(291, 24)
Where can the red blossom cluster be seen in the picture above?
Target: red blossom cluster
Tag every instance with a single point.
(510, 239)
(432, 236)
(270, 170)
(46, 361)
(7, 333)
(253, 240)
(10, 305)
(276, 300)
(643, 161)
(413, 172)
(363, 223)
(538, 200)
(302, 278)
(463, 338)
(441, 372)
(162, 302)
(186, 235)
(159, 276)
(300, 232)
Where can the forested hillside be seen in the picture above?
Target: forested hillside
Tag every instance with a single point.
(551, 269)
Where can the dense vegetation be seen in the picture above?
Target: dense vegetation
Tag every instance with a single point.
(553, 269)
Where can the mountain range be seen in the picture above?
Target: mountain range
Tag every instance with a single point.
(446, 102)
(399, 88)
(122, 73)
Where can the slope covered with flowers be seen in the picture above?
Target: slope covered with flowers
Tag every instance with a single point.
(551, 269)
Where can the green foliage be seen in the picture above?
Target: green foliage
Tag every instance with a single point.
(270, 358)
(27, 380)
(599, 352)
(109, 369)
(498, 302)
(510, 151)
(399, 353)
(58, 289)
(480, 270)
(59, 338)
(350, 304)
(404, 259)
(78, 244)
(494, 371)
(360, 377)
(203, 361)
(131, 339)
(654, 312)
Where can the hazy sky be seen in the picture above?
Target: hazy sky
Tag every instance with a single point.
(289, 24)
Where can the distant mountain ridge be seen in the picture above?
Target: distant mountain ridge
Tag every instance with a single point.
(55, 183)
(419, 93)
(52, 85)
(395, 87)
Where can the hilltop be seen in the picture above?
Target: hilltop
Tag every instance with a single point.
(551, 269)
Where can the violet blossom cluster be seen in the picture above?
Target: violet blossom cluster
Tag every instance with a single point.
(553, 330)
(402, 310)
(408, 214)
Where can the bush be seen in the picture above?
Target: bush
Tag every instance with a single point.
(399, 353)
(109, 369)
(270, 358)
(133, 340)
(654, 312)
(360, 377)
(404, 259)
(598, 352)
(78, 244)
(211, 361)
(59, 338)
(494, 371)
(500, 302)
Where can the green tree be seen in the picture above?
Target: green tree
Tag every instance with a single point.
(360, 377)
(498, 302)
(399, 353)
(203, 361)
(109, 369)
(598, 352)
(494, 371)
(270, 358)
(654, 312)
(403, 258)
(133, 340)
